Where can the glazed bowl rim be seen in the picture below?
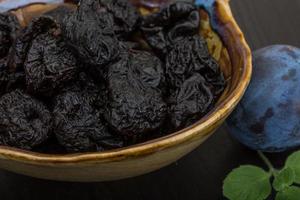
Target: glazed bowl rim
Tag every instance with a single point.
(218, 112)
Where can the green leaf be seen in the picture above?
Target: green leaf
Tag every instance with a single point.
(293, 162)
(291, 193)
(247, 183)
(284, 179)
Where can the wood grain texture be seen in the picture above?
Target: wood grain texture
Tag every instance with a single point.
(267, 22)
(198, 176)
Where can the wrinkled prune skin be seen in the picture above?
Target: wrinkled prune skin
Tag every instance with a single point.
(89, 89)
(190, 102)
(92, 68)
(125, 15)
(23, 42)
(10, 81)
(41, 52)
(49, 64)
(3, 80)
(93, 92)
(9, 28)
(89, 31)
(190, 55)
(135, 104)
(78, 126)
(25, 122)
(194, 80)
(173, 22)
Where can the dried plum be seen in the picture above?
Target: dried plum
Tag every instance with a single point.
(94, 69)
(126, 17)
(190, 55)
(9, 28)
(93, 92)
(78, 126)
(23, 41)
(190, 102)
(25, 122)
(89, 31)
(49, 64)
(3, 80)
(135, 104)
(176, 21)
(10, 81)
(45, 58)
(194, 80)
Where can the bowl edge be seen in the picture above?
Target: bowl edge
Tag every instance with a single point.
(211, 120)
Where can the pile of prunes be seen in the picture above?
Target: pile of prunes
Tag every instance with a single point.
(103, 77)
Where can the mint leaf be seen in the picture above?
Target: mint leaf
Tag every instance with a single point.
(291, 193)
(293, 162)
(284, 179)
(247, 183)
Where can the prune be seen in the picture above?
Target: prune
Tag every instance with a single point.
(93, 92)
(23, 41)
(78, 126)
(25, 122)
(3, 80)
(9, 28)
(89, 31)
(188, 56)
(176, 21)
(10, 81)
(135, 104)
(49, 65)
(126, 17)
(94, 69)
(190, 102)
(267, 118)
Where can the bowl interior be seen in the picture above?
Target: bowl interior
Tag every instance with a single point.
(225, 44)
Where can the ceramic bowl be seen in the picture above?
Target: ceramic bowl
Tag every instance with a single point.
(226, 43)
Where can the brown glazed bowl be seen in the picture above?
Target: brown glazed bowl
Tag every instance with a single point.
(228, 46)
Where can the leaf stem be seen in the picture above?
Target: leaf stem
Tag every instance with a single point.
(267, 162)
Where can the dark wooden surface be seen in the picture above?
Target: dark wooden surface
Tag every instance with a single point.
(199, 175)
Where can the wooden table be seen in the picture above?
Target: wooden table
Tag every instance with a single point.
(199, 175)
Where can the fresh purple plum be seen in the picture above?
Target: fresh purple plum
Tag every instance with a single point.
(268, 117)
